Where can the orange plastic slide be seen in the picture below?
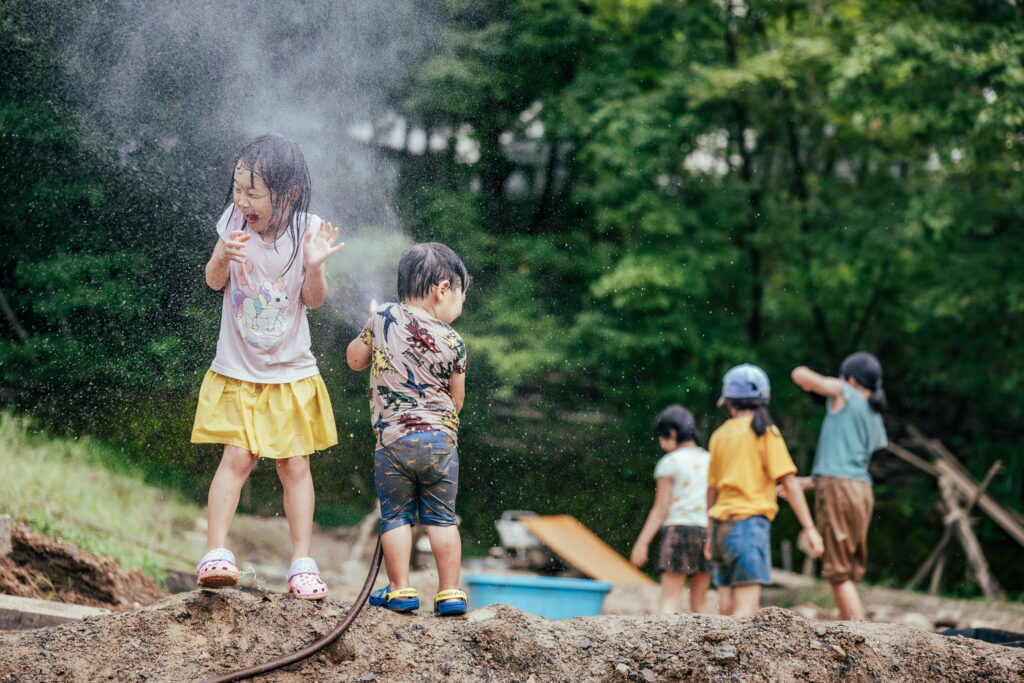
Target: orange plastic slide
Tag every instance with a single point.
(581, 548)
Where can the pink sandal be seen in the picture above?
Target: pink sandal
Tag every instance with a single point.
(304, 579)
(217, 569)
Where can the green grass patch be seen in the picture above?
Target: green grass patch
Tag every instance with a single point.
(60, 487)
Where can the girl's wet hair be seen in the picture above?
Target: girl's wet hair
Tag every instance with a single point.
(283, 169)
(424, 265)
(676, 421)
(866, 369)
(762, 418)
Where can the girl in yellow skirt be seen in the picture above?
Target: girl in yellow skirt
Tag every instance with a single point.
(263, 396)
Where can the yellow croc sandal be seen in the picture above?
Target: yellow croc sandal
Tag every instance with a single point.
(401, 600)
(458, 603)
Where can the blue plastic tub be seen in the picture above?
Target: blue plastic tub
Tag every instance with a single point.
(545, 596)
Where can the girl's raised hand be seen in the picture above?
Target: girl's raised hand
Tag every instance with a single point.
(234, 247)
(317, 247)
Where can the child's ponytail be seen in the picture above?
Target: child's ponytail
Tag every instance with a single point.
(762, 418)
(866, 369)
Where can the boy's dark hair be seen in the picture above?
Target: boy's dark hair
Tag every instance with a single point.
(866, 369)
(762, 418)
(283, 168)
(676, 421)
(424, 265)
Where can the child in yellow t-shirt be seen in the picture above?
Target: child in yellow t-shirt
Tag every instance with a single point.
(748, 458)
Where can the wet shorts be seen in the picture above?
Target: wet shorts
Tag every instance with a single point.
(682, 550)
(417, 473)
(842, 509)
(741, 551)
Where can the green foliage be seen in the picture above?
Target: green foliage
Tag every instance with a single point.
(59, 487)
(646, 193)
(782, 185)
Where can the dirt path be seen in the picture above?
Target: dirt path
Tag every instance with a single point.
(193, 635)
(198, 633)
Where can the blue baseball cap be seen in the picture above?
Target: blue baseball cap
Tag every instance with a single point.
(745, 381)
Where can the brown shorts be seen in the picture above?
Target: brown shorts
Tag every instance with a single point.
(842, 509)
(682, 550)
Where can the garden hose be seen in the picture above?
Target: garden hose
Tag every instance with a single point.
(318, 645)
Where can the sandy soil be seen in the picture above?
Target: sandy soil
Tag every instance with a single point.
(199, 633)
(49, 568)
(193, 635)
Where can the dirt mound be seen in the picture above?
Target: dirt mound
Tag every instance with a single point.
(48, 568)
(194, 635)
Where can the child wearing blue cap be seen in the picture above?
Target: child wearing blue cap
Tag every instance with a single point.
(851, 432)
(748, 459)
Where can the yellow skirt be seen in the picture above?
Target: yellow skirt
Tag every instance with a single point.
(268, 420)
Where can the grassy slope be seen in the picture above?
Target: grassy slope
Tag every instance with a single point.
(62, 488)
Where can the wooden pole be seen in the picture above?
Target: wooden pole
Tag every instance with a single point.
(947, 463)
(975, 557)
(938, 556)
(914, 460)
(940, 566)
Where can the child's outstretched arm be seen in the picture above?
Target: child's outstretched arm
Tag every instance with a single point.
(317, 246)
(218, 268)
(809, 380)
(655, 518)
(796, 500)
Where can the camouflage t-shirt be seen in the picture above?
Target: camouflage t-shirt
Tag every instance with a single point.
(412, 359)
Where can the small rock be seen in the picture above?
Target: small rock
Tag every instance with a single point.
(648, 675)
(725, 653)
(838, 652)
(585, 645)
(672, 634)
(820, 630)
(622, 668)
(367, 677)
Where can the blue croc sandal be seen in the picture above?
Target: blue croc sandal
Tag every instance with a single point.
(401, 600)
(458, 603)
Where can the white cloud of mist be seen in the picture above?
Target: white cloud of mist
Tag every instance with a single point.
(187, 83)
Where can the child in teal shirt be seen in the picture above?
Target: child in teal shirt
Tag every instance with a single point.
(851, 432)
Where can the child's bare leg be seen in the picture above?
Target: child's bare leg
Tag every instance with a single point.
(699, 583)
(225, 489)
(848, 600)
(299, 500)
(725, 599)
(397, 546)
(446, 544)
(746, 599)
(671, 592)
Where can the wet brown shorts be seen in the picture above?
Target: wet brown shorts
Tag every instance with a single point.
(842, 509)
(682, 550)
